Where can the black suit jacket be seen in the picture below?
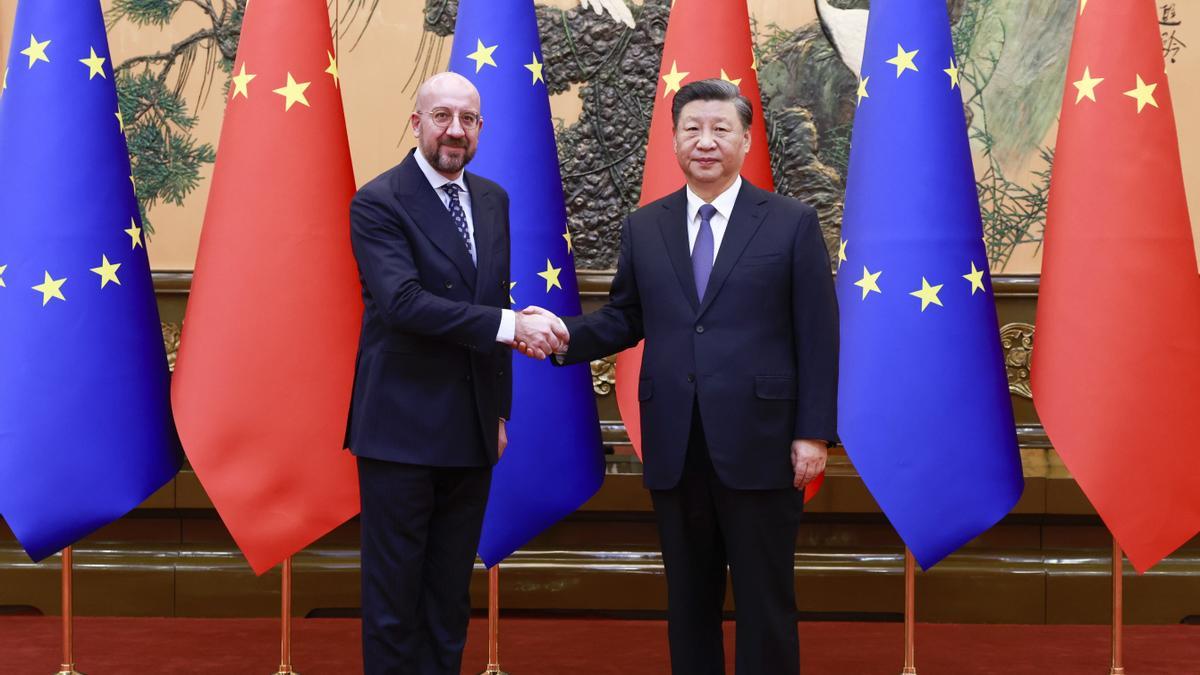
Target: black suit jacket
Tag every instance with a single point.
(758, 353)
(431, 382)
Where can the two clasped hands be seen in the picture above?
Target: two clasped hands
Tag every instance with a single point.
(540, 333)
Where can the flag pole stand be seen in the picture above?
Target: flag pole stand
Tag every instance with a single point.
(68, 615)
(1118, 573)
(493, 666)
(285, 602)
(910, 613)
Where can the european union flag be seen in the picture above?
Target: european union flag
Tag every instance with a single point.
(554, 462)
(85, 428)
(923, 400)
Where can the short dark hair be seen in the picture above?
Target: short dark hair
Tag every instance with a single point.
(713, 89)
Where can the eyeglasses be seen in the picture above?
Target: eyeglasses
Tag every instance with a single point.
(441, 117)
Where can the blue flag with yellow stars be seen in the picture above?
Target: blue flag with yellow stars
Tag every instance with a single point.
(554, 461)
(923, 399)
(85, 427)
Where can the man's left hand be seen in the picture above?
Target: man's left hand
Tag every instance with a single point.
(808, 461)
(503, 443)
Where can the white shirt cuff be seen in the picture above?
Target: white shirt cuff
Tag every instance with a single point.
(508, 327)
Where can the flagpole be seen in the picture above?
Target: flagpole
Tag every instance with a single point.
(910, 613)
(285, 602)
(493, 666)
(1118, 574)
(68, 614)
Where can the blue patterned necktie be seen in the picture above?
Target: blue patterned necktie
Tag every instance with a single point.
(459, 217)
(702, 250)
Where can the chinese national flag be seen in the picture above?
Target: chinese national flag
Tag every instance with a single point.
(705, 39)
(266, 360)
(1116, 370)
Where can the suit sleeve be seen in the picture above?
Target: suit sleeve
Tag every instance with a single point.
(385, 261)
(615, 326)
(504, 353)
(815, 315)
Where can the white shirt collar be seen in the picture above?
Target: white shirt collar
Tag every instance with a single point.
(723, 203)
(436, 179)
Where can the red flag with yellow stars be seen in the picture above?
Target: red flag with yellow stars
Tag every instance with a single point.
(266, 360)
(705, 39)
(1116, 369)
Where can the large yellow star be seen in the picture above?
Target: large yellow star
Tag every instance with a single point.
(241, 83)
(95, 64)
(1086, 85)
(135, 233)
(36, 51)
(551, 276)
(51, 288)
(842, 253)
(567, 236)
(736, 83)
(928, 294)
(976, 279)
(952, 71)
(107, 272)
(2, 268)
(862, 89)
(869, 282)
(332, 70)
(293, 93)
(482, 56)
(1144, 93)
(1082, 6)
(673, 79)
(903, 60)
(535, 67)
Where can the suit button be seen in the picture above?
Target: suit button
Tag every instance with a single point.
(699, 329)
(691, 377)
(503, 284)
(467, 378)
(448, 284)
(499, 373)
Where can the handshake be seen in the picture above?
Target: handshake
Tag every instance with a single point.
(539, 333)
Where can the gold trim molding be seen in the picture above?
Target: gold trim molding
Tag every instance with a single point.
(604, 375)
(171, 332)
(1017, 341)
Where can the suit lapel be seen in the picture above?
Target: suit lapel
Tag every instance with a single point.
(748, 212)
(483, 217)
(672, 224)
(433, 218)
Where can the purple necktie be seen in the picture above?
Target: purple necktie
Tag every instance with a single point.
(702, 251)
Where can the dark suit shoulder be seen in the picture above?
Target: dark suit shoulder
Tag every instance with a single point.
(381, 187)
(487, 184)
(789, 206)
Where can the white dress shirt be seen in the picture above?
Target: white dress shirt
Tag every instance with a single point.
(719, 221)
(508, 320)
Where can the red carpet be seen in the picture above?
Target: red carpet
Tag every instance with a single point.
(119, 646)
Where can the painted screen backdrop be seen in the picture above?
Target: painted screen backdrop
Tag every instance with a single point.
(1029, 43)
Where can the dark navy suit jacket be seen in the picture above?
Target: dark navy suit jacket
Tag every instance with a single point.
(431, 382)
(758, 353)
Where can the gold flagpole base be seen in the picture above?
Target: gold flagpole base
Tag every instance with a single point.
(493, 670)
(1117, 670)
(68, 670)
(908, 670)
(289, 671)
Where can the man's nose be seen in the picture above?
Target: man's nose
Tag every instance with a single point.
(706, 141)
(455, 129)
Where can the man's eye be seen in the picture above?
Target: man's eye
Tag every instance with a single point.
(441, 117)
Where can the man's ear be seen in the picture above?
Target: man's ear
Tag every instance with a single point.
(414, 121)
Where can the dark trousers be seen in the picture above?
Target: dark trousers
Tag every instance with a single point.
(420, 532)
(705, 526)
